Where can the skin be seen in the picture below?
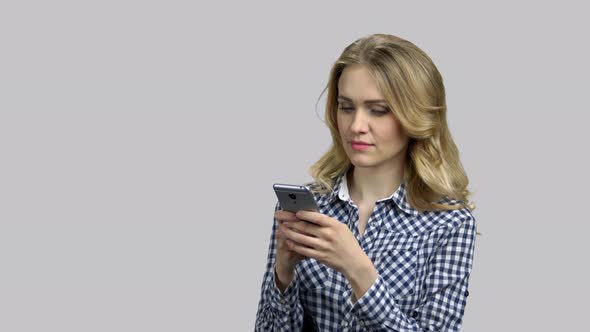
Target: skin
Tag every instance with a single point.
(376, 174)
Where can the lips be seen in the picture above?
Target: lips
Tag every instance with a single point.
(359, 143)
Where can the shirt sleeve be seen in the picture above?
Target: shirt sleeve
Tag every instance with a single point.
(276, 311)
(443, 305)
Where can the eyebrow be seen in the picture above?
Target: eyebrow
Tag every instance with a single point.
(369, 101)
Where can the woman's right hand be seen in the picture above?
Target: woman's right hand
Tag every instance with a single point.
(286, 259)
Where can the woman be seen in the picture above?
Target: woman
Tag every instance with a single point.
(391, 248)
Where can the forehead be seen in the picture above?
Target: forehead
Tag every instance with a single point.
(357, 83)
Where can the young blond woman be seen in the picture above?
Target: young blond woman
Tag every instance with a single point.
(392, 246)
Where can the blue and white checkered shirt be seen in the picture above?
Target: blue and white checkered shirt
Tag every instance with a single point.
(424, 261)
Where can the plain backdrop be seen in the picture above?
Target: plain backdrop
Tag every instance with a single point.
(139, 141)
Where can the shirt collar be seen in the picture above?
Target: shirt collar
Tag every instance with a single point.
(341, 191)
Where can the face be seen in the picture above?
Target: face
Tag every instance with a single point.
(359, 119)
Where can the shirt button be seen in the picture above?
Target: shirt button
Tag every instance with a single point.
(466, 293)
(415, 314)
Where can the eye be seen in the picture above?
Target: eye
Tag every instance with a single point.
(377, 112)
(380, 112)
(346, 109)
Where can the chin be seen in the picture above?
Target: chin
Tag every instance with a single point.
(362, 162)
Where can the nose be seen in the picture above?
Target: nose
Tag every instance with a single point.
(360, 122)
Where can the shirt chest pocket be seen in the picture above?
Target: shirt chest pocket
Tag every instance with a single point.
(394, 256)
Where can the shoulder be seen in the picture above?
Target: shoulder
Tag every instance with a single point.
(444, 222)
(453, 229)
(461, 223)
(462, 213)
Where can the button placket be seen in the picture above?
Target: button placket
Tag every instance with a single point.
(371, 231)
(353, 222)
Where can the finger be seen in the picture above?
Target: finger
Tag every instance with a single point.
(305, 228)
(281, 234)
(281, 226)
(302, 250)
(300, 238)
(282, 214)
(313, 217)
(282, 229)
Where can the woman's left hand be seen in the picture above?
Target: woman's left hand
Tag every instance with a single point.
(325, 239)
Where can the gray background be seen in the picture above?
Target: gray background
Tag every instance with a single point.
(139, 141)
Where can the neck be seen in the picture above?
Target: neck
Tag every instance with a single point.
(370, 184)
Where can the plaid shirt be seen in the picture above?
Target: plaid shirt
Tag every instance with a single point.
(424, 261)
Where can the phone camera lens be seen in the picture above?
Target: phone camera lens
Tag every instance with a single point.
(292, 196)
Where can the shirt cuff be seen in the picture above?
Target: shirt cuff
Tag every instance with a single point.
(369, 308)
(287, 301)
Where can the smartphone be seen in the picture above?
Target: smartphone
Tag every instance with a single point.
(294, 197)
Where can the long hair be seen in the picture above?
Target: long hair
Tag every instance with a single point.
(413, 88)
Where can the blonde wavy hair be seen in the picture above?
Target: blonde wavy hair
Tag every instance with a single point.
(413, 88)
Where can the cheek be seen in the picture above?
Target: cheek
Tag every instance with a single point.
(392, 132)
(339, 124)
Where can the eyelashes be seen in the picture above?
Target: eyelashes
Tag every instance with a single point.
(374, 111)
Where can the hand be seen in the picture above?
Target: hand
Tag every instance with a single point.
(325, 239)
(286, 258)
